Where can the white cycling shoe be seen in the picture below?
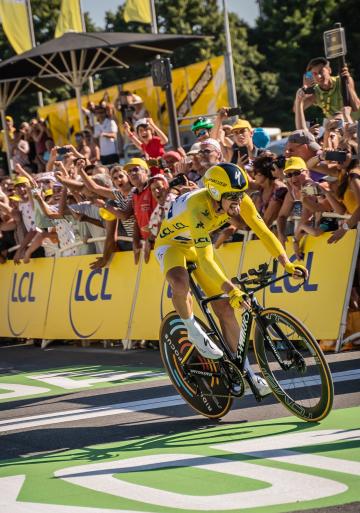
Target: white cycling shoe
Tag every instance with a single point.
(204, 345)
(262, 387)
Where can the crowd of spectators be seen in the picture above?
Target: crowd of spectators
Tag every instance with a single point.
(58, 198)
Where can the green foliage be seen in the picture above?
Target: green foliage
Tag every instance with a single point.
(269, 59)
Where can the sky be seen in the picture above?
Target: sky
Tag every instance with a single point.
(246, 9)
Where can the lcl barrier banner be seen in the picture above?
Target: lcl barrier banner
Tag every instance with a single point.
(64, 299)
(198, 89)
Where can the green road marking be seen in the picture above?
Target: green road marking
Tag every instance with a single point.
(69, 379)
(189, 472)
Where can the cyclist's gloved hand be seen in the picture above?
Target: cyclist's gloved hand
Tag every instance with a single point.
(236, 298)
(297, 270)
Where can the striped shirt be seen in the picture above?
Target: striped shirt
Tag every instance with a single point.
(124, 203)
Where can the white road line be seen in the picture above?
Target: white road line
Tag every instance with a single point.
(135, 406)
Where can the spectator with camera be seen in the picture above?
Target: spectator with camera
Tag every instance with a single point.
(243, 149)
(202, 128)
(324, 90)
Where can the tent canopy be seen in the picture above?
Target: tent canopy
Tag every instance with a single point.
(75, 56)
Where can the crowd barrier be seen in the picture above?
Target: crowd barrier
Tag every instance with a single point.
(62, 298)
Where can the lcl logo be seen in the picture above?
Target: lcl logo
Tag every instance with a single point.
(85, 288)
(21, 291)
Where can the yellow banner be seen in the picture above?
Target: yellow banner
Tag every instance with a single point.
(199, 89)
(64, 299)
(24, 298)
(15, 22)
(69, 18)
(319, 303)
(137, 10)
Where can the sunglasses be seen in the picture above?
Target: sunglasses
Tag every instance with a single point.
(294, 173)
(232, 196)
(135, 169)
(206, 152)
(201, 132)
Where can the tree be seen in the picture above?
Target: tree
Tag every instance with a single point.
(289, 34)
(203, 17)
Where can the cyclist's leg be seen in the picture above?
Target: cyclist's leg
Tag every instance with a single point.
(173, 262)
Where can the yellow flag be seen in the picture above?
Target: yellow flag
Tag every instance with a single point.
(15, 22)
(137, 10)
(70, 18)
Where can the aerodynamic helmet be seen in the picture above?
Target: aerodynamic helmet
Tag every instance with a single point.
(223, 178)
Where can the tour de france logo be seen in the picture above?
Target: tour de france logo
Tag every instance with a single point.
(87, 288)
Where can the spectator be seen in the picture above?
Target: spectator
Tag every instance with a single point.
(272, 191)
(139, 111)
(327, 89)
(7, 136)
(143, 205)
(94, 156)
(81, 145)
(201, 128)
(243, 147)
(302, 144)
(209, 154)
(144, 138)
(105, 132)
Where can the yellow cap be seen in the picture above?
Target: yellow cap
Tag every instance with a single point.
(294, 163)
(105, 214)
(20, 180)
(48, 192)
(15, 197)
(136, 162)
(241, 123)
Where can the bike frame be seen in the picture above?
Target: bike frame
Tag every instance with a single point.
(247, 317)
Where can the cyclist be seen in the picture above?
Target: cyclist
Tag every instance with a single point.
(184, 237)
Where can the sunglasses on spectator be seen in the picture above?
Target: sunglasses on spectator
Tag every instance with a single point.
(206, 152)
(294, 173)
(135, 169)
(199, 133)
(232, 196)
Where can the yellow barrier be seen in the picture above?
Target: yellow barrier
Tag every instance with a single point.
(63, 299)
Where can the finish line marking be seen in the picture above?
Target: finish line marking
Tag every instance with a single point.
(135, 406)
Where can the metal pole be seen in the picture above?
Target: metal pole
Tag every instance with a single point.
(229, 64)
(83, 24)
(154, 28)
(7, 140)
(78, 100)
(33, 42)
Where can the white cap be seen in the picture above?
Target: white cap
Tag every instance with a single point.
(136, 99)
(141, 121)
(211, 142)
(195, 148)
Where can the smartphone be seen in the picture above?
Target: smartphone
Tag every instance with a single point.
(310, 190)
(62, 150)
(178, 180)
(335, 156)
(233, 111)
(243, 151)
(309, 90)
(153, 162)
(309, 75)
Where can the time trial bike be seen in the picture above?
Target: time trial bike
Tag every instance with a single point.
(289, 357)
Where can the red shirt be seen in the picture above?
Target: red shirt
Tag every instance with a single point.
(144, 204)
(153, 148)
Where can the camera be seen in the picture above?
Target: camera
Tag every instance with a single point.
(310, 190)
(62, 150)
(309, 90)
(178, 180)
(335, 156)
(233, 111)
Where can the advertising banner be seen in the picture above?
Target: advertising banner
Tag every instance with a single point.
(64, 299)
(198, 89)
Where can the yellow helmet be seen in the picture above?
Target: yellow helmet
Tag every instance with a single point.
(225, 177)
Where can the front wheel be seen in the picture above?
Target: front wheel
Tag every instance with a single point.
(293, 365)
(200, 381)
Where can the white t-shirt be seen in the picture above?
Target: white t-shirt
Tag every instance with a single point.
(107, 145)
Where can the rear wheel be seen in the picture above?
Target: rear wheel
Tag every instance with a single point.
(293, 365)
(200, 381)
